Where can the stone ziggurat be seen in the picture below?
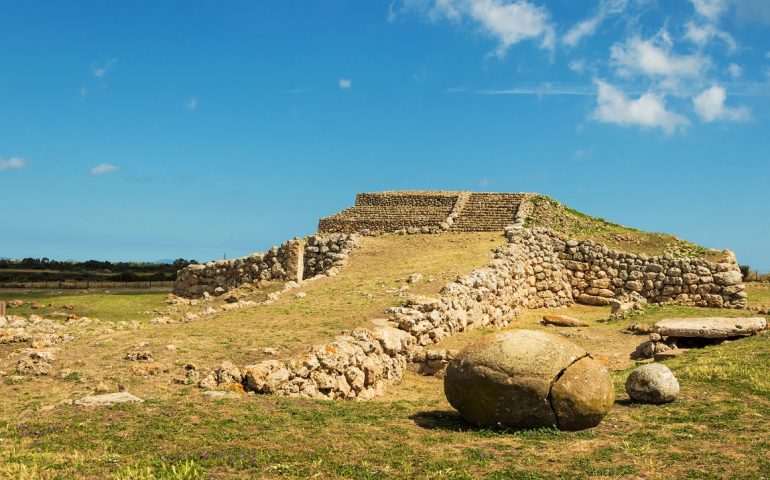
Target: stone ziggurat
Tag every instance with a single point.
(537, 268)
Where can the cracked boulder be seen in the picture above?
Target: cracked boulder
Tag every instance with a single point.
(528, 379)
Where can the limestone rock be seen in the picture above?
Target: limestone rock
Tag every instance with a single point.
(108, 399)
(563, 321)
(714, 327)
(583, 395)
(505, 379)
(652, 383)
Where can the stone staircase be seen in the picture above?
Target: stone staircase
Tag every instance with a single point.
(484, 212)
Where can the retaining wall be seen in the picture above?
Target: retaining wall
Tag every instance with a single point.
(295, 259)
(536, 269)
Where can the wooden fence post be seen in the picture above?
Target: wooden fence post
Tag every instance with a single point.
(2, 309)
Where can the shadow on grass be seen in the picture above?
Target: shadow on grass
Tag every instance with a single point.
(441, 420)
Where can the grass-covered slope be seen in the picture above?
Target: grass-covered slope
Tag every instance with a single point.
(717, 429)
(550, 213)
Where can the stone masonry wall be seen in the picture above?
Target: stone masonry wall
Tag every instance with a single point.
(294, 260)
(391, 211)
(598, 274)
(537, 268)
(523, 274)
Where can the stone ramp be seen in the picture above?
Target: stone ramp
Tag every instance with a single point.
(432, 211)
(486, 212)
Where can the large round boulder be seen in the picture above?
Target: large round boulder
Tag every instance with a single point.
(652, 383)
(528, 379)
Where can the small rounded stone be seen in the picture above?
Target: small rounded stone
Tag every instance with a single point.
(653, 383)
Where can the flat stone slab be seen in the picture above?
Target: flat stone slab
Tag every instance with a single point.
(563, 321)
(108, 399)
(710, 327)
(221, 395)
(669, 354)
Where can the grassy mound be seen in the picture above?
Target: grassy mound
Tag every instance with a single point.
(549, 213)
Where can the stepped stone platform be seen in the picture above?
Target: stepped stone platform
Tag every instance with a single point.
(426, 211)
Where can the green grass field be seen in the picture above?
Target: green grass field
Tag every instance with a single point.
(717, 429)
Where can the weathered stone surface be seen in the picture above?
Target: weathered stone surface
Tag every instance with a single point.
(108, 399)
(653, 383)
(294, 260)
(710, 327)
(505, 379)
(583, 395)
(563, 321)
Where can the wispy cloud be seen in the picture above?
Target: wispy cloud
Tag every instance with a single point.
(100, 71)
(588, 27)
(103, 169)
(345, 83)
(542, 90)
(735, 70)
(191, 104)
(83, 92)
(13, 163)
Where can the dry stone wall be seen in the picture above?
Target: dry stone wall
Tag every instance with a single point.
(294, 260)
(598, 274)
(523, 274)
(536, 269)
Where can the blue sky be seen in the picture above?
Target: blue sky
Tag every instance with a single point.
(160, 129)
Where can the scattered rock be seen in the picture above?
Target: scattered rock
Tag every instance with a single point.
(653, 383)
(227, 372)
(563, 321)
(139, 356)
(108, 399)
(710, 327)
(505, 380)
(300, 295)
(171, 348)
(414, 278)
(270, 351)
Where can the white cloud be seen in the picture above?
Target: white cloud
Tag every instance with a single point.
(711, 9)
(191, 104)
(507, 22)
(101, 71)
(710, 106)
(654, 58)
(13, 163)
(735, 70)
(577, 66)
(700, 35)
(103, 169)
(767, 55)
(647, 111)
(345, 83)
(753, 11)
(83, 92)
(588, 26)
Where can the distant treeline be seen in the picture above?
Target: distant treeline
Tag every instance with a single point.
(46, 270)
